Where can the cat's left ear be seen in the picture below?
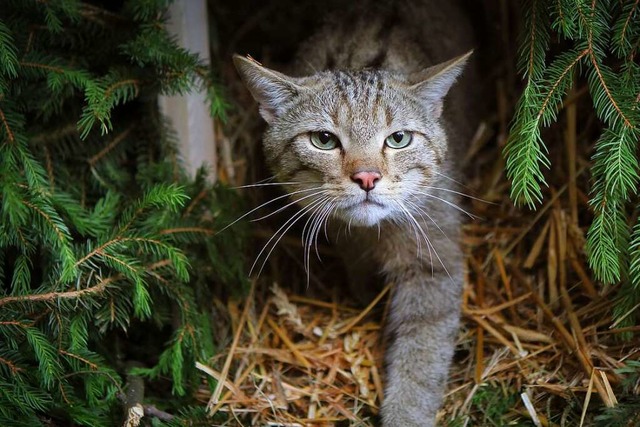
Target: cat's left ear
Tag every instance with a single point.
(433, 84)
(272, 90)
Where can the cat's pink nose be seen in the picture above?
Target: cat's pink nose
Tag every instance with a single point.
(366, 179)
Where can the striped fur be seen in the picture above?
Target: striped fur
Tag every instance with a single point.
(367, 74)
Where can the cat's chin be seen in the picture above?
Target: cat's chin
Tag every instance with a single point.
(364, 214)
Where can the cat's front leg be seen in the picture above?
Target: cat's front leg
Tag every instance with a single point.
(423, 328)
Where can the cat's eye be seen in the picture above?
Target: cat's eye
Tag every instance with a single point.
(398, 139)
(324, 140)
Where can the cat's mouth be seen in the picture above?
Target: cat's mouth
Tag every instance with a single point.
(366, 212)
(368, 202)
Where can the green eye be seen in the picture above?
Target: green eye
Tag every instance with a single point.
(324, 140)
(398, 139)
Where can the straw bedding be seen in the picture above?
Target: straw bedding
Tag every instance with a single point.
(538, 338)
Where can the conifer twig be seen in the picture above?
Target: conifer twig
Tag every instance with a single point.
(556, 84)
(96, 289)
(114, 142)
(6, 126)
(12, 367)
(596, 66)
(175, 230)
(628, 20)
(49, 296)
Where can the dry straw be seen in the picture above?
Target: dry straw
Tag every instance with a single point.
(535, 325)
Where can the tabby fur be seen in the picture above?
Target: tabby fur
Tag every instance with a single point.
(369, 73)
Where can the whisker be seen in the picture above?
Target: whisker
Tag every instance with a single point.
(453, 205)
(448, 190)
(263, 205)
(335, 205)
(308, 225)
(316, 215)
(324, 215)
(279, 234)
(268, 179)
(415, 232)
(290, 204)
(421, 211)
(427, 241)
(266, 184)
(451, 179)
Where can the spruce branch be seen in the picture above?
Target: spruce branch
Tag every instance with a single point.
(201, 230)
(95, 289)
(51, 218)
(21, 279)
(91, 365)
(169, 196)
(623, 29)
(94, 231)
(15, 370)
(58, 70)
(7, 129)
(8, 53)
(48, 364)
(560, 82)
(113, 89)
(525, 150)
(593, 29)
(603, 97)
(50, 296)
(565, 21)
(634, 248)
(536, 28)
(603, 241)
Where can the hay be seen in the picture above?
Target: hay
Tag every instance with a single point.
(300, 362)
(536, 327)
(532, 316)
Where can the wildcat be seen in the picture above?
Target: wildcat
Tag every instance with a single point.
(367, 139)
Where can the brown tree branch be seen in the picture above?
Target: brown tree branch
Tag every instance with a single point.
(92, 365)
(6, 126)
(114, 86)
(594, 61)
(47, 218)
(58, 70)
(101, 286)
(117, 140)
(532, 37)
(557, 82)
(202, 230)
(96, 289)
(14, 369)
(626, 23)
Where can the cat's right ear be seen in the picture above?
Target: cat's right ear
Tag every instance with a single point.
(271, 89)
(433, 83)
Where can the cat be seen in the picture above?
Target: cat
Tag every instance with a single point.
(368, 139)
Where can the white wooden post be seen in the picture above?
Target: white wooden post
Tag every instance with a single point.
(189, 114)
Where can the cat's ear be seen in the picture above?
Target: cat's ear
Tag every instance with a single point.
(433, 84)
(271, 89)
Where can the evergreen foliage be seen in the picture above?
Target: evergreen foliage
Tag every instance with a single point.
(598, 40)
(99, 225)
(627, 413)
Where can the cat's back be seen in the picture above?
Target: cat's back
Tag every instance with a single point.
(403, 36)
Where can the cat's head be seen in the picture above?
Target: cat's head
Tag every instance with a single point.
(361, 145)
